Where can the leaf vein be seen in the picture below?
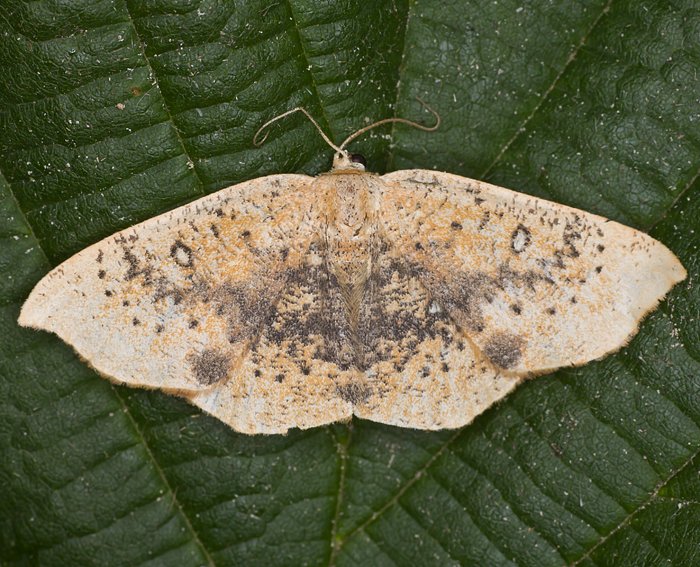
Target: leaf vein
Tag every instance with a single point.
(402, 65)
(166, 106)
(342, 454)
(520, 515)
(416, 520)
(405, 486)
(164, 479)
(297, 29)
(474, 518)
(568, 466)
(628, 519)
(545, 96)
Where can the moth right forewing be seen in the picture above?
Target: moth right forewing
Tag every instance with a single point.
(535, 284)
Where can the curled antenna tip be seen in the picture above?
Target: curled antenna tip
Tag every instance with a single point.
(411, 123)
(261, 141)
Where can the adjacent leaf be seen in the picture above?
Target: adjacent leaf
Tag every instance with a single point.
(112, 112)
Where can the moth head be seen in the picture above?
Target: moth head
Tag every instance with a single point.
(343, 159)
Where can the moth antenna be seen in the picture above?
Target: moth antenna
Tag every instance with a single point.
(257, 142)
(423, 127)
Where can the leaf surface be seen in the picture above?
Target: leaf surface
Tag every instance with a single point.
(114, 111)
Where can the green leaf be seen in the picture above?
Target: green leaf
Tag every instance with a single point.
(114, 111)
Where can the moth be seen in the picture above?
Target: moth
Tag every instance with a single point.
(416, 298)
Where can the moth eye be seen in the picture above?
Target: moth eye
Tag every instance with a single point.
(358, 158)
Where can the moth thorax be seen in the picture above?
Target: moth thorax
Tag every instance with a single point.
(351, 206)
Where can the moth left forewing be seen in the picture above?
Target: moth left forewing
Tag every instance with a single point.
(535, 285)
(173, 302)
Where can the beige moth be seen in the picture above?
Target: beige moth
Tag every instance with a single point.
(416, 298)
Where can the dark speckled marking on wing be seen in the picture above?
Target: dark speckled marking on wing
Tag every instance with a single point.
(397, 313)
(310, 321)
(167, 303)
(420, 369)
(299, 368)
